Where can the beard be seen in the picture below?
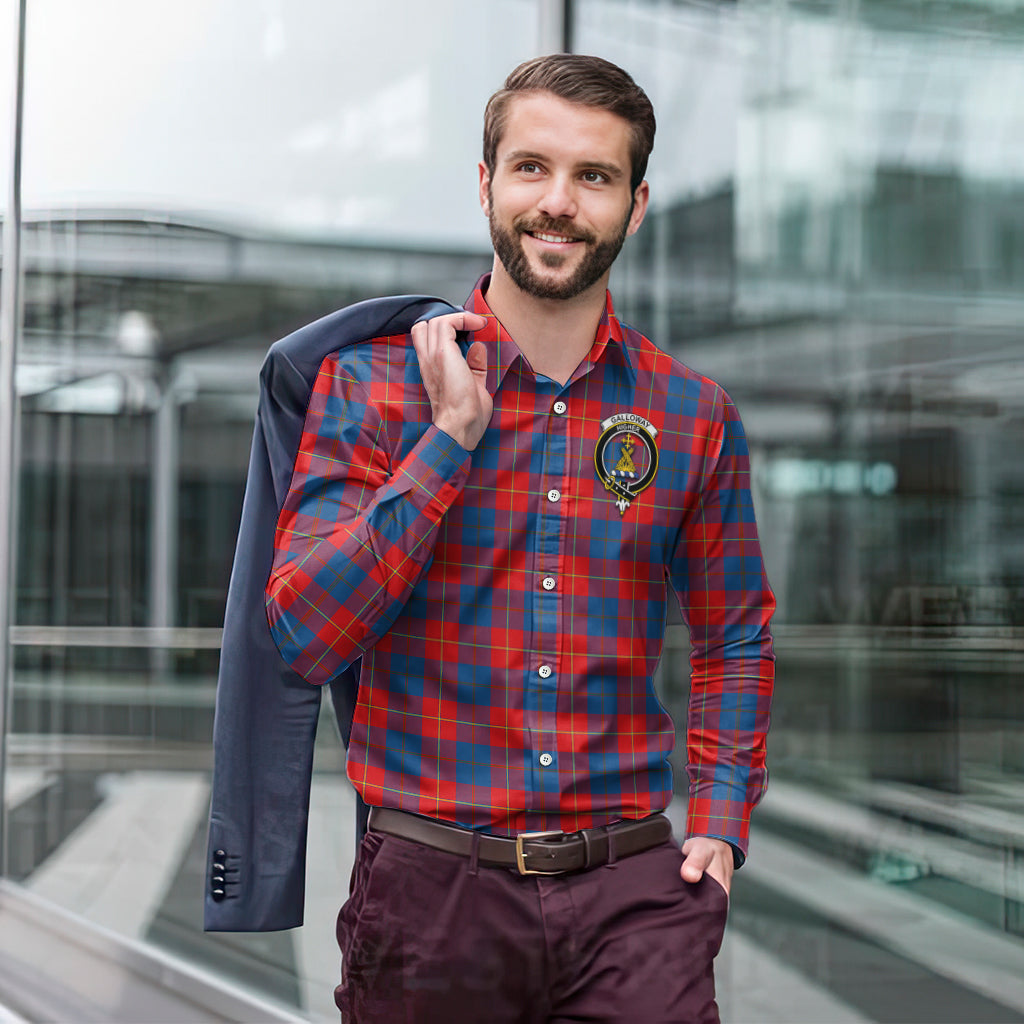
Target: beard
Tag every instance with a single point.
(599, 255)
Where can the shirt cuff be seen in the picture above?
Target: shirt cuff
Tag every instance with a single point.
(435, 469)
(728, 820)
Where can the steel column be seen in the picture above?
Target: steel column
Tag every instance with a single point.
(10, 321)
(554, 18)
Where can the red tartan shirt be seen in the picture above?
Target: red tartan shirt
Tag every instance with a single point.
(509, 603)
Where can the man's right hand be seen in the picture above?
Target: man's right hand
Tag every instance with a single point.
(456, 386)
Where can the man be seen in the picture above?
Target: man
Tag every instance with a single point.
(491, 519)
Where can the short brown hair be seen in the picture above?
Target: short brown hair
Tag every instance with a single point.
(577, 78)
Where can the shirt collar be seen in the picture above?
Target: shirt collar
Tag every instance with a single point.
(502, 351)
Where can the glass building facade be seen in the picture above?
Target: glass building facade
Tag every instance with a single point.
(836, 235)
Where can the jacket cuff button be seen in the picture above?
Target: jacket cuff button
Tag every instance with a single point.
(217, 894)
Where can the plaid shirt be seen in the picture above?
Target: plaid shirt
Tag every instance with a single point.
(509, 603)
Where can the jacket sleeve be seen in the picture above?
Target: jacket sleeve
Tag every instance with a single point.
(357, 528)
(267, 714)
(263, 733)
(726, 601)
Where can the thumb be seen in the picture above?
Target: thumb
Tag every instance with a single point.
(477, 357)
(694, 865)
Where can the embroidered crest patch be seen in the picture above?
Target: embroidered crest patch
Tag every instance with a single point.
(626, 457)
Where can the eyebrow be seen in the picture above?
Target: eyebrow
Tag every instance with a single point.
(611, 170)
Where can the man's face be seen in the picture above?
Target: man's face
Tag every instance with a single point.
(559, 203)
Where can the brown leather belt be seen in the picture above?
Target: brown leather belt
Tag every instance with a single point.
(529, 853)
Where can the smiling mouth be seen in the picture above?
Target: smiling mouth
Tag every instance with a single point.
(545, 236)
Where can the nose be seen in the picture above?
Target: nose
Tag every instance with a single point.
(559, 198)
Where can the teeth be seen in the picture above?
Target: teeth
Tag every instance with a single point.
(551, 238)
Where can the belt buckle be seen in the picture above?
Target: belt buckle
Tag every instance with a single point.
(521, 855)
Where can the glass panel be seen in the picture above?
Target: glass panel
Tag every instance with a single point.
(8, 29)
(321, 118)
(836, 236)
(8, 25)
(200, 179)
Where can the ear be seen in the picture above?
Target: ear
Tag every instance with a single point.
(640, 199)
(485, 182)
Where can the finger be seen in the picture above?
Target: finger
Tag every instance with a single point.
(464, 320)
(471, 321)
(419, 340)
(477, 357)
(442, 329)
(695, 864)
(690, 872)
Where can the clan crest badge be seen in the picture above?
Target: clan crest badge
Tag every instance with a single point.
(626, 457)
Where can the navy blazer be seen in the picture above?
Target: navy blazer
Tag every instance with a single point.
(266, 714)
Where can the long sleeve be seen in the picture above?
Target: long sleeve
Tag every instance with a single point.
(356, 530)
(718, 575)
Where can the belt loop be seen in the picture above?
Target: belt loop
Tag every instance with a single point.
(474, 853)
(610, 833)
(587, 852)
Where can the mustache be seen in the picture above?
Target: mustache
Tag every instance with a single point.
(552, 226)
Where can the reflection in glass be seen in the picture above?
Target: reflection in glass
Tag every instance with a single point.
(836, 236)
(200, 179)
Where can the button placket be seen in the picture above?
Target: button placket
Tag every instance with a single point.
(551, 510)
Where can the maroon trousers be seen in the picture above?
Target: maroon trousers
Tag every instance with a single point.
(431, 938)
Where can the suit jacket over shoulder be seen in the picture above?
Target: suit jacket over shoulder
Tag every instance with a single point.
(266, 714)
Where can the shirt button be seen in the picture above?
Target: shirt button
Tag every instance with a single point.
(554, 495)
(545, 759)
(560, 407)
(548, 583)
(544, 671)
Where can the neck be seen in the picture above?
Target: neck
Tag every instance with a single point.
(555, 335)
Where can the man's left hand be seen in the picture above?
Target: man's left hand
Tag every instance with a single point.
(711, 855)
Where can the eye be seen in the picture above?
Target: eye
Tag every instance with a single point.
(529, 167)
(594, 177)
